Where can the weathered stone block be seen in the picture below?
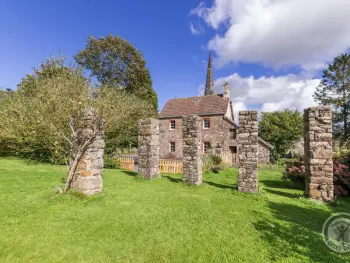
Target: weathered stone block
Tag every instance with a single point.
(248, 155)
(88, 177)
(148, 148)
(318, 153)
(191, 145)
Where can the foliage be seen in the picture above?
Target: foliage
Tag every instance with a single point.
(35, 118)
(151, 222)
(211, 162)
(118, 64)
(282, 129)
(110, 162)
(334, 90)
(121, 112)
(295, 172)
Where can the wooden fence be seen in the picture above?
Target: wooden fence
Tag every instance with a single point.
(126, 163)
(170, 166)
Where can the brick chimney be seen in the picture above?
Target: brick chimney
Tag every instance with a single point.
(226, 93)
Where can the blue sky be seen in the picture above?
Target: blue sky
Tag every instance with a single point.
(264, 66)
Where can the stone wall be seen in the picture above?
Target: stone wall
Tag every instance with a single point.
(218, 136)
(248, 151)
(88, 175)
(264, 153)
(318, 153)
(148, 148)
(191, 144)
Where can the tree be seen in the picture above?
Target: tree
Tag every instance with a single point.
(40, 118)
(116, 63)
(282, 129)
(122, 112)
(334, 90)
(5, 92)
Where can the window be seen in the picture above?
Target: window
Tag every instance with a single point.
(233, 149)
(172, 147)
(206, 146)
(172, 125)
(206, 123)
(233, 134)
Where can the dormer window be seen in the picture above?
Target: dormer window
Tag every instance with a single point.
(206, 124)
(172, 125)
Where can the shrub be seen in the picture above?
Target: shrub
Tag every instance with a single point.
(110, 162)
(295, 172)
(211, 162)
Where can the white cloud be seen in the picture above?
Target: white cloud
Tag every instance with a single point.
(270, 93)
(194, 30)
(278, 33)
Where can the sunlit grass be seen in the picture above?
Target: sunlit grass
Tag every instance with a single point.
(163, 220)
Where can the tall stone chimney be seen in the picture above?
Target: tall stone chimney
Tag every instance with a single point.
(226, 93)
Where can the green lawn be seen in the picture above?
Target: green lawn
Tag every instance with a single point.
(163, 220)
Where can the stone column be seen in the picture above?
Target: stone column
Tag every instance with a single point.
(149, 148)
(191, 144)
(318, 153)
(248, 151)
(88, 175)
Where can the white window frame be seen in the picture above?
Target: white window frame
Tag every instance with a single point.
(170, 128)
(204, 120)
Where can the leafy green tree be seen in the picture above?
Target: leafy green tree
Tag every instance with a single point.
(334, 90)
(39, 118)
(5, 92)
(36, 117)
(282, 129)
(116, 63)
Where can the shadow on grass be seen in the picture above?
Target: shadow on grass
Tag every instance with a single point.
(130, 173)
(284, 194)
(295, 232)
(280, 184)
(173, 179)
(222, 186)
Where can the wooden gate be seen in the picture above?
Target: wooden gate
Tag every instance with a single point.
(171, 166)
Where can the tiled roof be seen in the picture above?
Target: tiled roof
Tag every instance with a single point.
(201, 105)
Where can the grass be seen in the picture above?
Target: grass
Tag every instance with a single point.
(163, 220)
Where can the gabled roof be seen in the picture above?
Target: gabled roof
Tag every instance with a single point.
(200, 105)
(265, 142)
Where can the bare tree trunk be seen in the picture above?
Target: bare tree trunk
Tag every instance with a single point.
(72, 172)
(75, 163)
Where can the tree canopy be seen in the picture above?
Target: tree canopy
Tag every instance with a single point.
(282, 129)
(118, 64)
(35, 120)
(334, 90)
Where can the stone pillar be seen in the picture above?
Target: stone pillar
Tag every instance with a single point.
(149, 148)
(191, 144)
(318, 153)
(248, 151)
(88, 175)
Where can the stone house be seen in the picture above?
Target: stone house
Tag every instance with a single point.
(218, 126)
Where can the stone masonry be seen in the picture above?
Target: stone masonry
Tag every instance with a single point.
(88, 175)
(191, 145)
(318, 153)
(149, 148)
(248, 151)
